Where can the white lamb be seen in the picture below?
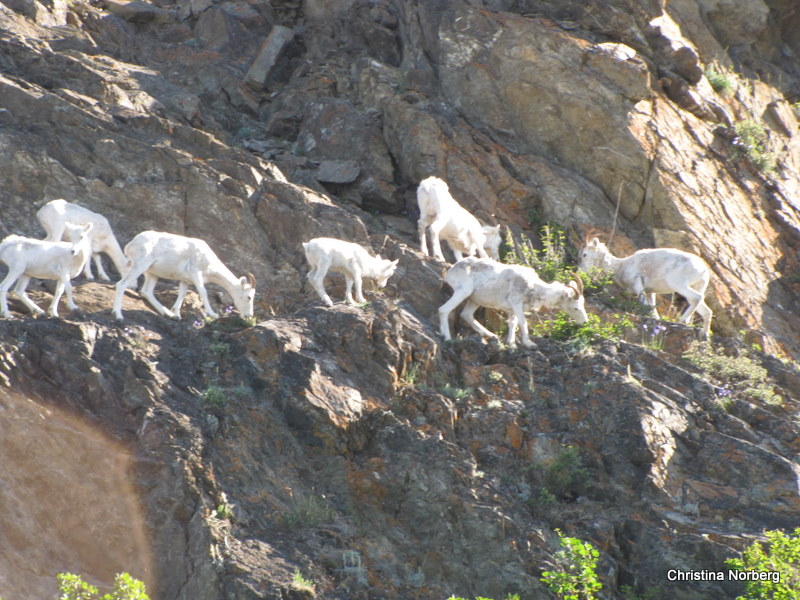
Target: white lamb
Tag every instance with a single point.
(656, 271)
(513, 289)
(27, 258)
(349, 259)
(448, 220)
(189, 261)
(56, 214)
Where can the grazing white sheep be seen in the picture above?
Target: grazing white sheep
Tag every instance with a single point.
(56, 214)
(27, 258)
(513, 289)
(448, 220)
(189, 261)
(349, 259)
(656, 271)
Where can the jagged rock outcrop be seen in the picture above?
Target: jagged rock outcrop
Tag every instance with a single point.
(348, 443)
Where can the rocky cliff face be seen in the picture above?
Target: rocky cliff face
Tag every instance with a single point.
(214, 460)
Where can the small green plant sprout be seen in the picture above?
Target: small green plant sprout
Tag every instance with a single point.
(751, 142)
(566, 474)
(719, 82)
(308, 512)
(576, 577)
(779, 559)
(455, 393)
(221, 349)
(73, 587)
(496, 377)
(224, 511)
(411, 375)
(302, 584)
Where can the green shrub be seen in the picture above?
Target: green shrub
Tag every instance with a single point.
(310, 511)
(736, 373)
(550, 262)
(73, 587)
(576, 578)
(782, 556)
(751, 141)
(566, 473)
(455, 393)
(562, 328)
(720, 82)
(302, 584)
(214, 395)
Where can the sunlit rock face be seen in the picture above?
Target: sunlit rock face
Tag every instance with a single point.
(67, 503)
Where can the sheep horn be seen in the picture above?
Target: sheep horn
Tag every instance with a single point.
(250, 279)
(578, 283)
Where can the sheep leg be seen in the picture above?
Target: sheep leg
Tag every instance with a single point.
(20, 290)
(468, 314)
(130, 278)
(316, 276)
(648, 299)
(519, 315)
(68, 290)
(422, 225)
(705, 313)
(10, 278)
(62, 284)
(436, 228)
(696, 303)
(459, 295)
(358, 277)
(87, 269)
(200, 286)
(148, 287)
(98, 264)
(183, 287)
(456, 254)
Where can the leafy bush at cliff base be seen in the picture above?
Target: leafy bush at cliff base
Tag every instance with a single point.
(73, 587)
(576, 578)
(781, 555)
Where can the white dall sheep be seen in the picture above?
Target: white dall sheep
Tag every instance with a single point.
(513, 289)
(448, 220)
(27, 258)
(656, 271)
(189, 261)
(56, 214)
(349, 259)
